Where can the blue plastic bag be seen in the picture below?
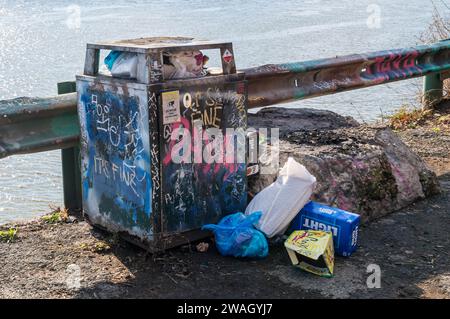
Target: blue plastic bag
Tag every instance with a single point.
(111, 58)
(236, 236)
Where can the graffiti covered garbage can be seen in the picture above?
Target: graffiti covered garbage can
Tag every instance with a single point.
(144, 138)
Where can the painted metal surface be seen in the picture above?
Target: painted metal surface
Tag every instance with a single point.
(115, 153)
(280, 83)
(71, 166)
(131, 182)
(30, 125)
(195, 192)
(433, 87)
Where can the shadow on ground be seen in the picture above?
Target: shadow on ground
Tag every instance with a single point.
(411, 247)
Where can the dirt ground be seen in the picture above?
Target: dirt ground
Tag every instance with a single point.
(411, 247)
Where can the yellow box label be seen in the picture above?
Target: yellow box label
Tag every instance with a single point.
(314, 245)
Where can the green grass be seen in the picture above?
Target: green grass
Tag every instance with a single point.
(57, 216)
(52, 218)
(8, 236)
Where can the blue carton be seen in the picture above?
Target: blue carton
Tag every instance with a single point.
(342, 224)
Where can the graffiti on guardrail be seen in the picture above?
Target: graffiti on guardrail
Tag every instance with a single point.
(280, 83)
(267, 85)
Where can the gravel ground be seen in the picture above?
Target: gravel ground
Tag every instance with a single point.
(411, 247)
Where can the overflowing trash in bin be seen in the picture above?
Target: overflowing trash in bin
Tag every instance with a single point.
(177, 65)
(139, 182)
(133, 121)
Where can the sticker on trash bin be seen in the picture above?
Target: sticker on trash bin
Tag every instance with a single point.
(227, 56)
(171, 107)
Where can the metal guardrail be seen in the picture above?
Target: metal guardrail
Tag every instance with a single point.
(38, 124)
(280, 83)
(30, 125)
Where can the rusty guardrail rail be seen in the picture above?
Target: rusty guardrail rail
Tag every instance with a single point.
(38, 124)
(280, 83)
(30, 125)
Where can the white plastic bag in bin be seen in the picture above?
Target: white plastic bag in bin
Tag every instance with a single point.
(125, 66)
(282, 200)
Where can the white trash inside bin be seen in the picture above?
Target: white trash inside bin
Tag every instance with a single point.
(178, 65)
(282, 200)
(125, 66)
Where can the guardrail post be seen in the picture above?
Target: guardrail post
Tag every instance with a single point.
(432, 90)
(71, 168)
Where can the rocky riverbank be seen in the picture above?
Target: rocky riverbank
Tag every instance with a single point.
(66, 258)
(359, 168)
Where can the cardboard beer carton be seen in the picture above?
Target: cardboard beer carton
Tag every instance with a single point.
(312, 251)
(342, 224)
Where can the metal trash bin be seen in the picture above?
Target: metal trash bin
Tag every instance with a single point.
(130, 184)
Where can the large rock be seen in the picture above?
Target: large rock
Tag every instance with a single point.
(363, 169)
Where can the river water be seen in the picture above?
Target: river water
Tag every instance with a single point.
(43, 42)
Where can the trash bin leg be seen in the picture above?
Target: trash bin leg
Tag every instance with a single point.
(70, 158)
(432, 90)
